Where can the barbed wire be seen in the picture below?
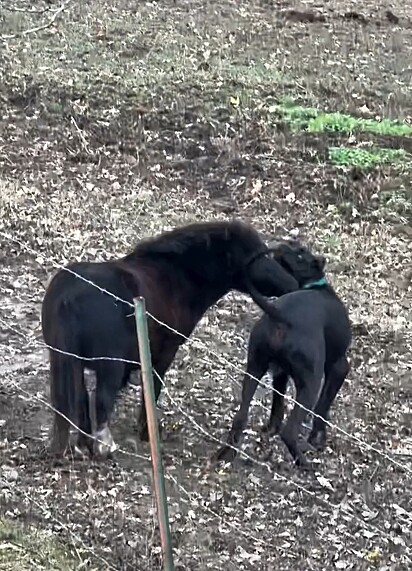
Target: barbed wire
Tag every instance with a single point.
(209, 510)
(73, 424)
(186, 415)
(26, 10)
(358, 440)
(35, 342)
(41, 27)
(267, 465)
(168, 476)
(200, 344)
(334, 507)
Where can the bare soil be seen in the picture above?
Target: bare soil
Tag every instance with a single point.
(120, 120)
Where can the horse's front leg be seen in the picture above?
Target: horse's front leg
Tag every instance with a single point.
(142, 423)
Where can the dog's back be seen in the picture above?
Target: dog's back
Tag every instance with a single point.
(313, 313)
(320, 309)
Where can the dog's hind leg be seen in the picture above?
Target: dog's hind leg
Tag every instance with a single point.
(335, 376)
(279, 382)
(257, 366)
(307, 390)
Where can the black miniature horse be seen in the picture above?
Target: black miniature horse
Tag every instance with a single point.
(180, 274)
(310, 343)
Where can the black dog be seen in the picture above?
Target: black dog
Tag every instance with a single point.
(312, 341)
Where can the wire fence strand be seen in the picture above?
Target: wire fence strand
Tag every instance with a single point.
(326, 503)
(198, 343)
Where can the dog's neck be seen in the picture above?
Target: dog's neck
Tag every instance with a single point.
(322, 282)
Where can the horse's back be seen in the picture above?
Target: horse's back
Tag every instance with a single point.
(98, 321)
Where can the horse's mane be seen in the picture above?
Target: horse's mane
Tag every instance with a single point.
(180, 240)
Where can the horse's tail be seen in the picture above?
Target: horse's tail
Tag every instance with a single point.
(269, 308)
(67, 388)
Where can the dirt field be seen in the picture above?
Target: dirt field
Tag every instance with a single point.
(122, 119)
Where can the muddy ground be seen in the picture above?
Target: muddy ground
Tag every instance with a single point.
(122, 119)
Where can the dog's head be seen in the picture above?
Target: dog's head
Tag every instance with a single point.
(298, 260)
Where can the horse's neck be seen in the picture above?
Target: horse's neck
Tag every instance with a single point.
(173, 295)
(198, 296)
(191, 309)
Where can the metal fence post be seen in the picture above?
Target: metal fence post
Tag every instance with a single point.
(149, 398)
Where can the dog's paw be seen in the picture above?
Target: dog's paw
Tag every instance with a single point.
(303, 463)
(225, 454)
(317, 440)
(270, 429)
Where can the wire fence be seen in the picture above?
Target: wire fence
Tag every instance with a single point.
(342, 510)
(334, 508)
(201, 345)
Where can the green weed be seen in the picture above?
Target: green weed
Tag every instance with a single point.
(295, 116)
(316, 121)
(365, 158)
(348, 124)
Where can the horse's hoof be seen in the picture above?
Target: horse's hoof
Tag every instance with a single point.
(56, 452)
(104, 445)
(306, 446)
(144, 434)
(79, 453)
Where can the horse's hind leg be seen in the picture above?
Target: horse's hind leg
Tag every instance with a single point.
(159, 369)
(110, 375)
(60, 432)
(62, 379)
(335, 376)
(85, 425)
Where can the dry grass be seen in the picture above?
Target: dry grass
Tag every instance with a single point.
(29, 549)
(122, 120)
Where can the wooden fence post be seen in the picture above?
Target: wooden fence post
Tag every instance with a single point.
(149, 398)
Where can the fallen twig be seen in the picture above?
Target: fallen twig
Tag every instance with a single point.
(49, 23)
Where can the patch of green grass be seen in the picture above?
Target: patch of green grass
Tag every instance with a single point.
(315, 121)
(348, 124)
(26, 549)
(294, 115)
(365, 158)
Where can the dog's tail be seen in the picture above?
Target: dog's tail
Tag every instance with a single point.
(269, 308)
(67, 388)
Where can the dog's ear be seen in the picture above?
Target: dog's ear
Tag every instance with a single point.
(320, 262)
